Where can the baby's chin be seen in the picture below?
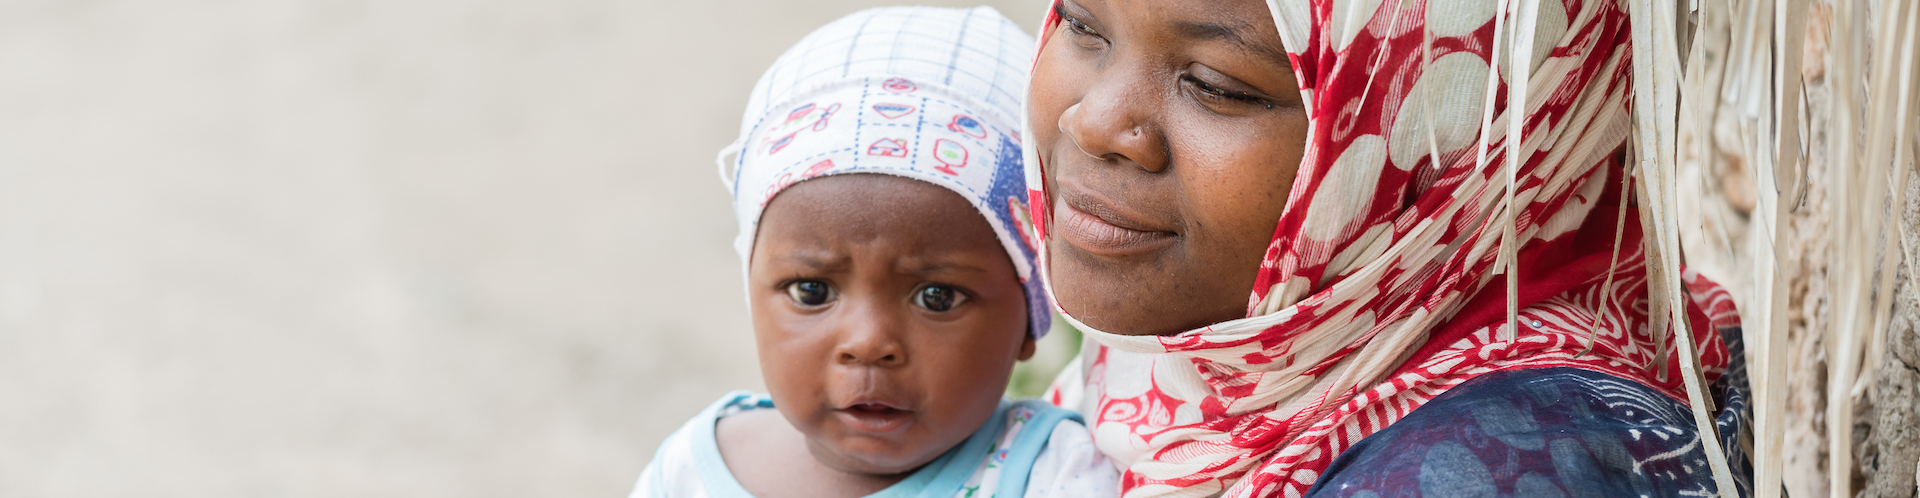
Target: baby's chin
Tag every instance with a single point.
(872, 457)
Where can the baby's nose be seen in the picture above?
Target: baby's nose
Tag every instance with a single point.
(871, 340)
(872, 358)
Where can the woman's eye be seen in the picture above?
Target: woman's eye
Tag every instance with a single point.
(938, 298)
(810, 292)
(1215, 92)
(1082, 34)
(1081, 27)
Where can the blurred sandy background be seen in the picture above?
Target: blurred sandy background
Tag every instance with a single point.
(369, 248)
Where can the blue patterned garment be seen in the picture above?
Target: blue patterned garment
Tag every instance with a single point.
(1549, 432)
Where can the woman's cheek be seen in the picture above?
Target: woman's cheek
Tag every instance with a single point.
(1051, 92)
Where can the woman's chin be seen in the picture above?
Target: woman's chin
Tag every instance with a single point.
(1087, 296)
(1111, 317)
(1124, 306)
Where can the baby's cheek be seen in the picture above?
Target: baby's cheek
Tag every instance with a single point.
(966, 404)
(790, 367)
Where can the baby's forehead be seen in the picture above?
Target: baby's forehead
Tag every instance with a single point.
(860, 207)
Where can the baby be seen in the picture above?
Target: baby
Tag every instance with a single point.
(879, 193)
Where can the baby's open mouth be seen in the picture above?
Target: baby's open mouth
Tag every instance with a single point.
(874, 417)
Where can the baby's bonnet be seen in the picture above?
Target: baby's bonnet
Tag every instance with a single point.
(932, 94)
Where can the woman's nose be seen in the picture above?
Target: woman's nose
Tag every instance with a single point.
(870, 336)
(1113, 123)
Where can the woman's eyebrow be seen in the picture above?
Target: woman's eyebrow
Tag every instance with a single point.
(1231, 34)
(1081, 13)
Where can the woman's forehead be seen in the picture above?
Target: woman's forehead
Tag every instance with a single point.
(1257, 40)
(1244, 24)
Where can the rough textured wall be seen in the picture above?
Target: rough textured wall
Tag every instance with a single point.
(1886, 433)
(1891, 446)
(1805, 269)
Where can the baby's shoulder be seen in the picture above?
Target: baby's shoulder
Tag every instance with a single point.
(745, 435)
(1064, 460)
(686, 460)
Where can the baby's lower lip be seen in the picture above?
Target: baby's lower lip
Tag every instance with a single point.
(874, 419)
(1092, 234)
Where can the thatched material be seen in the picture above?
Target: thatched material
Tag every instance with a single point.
(1814, 250)
(1656, 72)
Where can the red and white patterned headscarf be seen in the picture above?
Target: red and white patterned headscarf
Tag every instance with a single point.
(1383, 285)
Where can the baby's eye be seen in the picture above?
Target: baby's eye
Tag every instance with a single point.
(810, 292)
(938, 298)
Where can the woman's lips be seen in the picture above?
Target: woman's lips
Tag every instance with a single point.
(874, 418)
(1108, 233)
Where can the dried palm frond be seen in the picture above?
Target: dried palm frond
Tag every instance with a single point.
(1779, 166)
(1656, 74)
(1869, 67)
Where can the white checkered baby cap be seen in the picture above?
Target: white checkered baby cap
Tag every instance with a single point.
(932, 94)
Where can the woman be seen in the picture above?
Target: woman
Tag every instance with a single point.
(1281, 230)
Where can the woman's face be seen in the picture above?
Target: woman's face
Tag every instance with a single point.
(1170, 132)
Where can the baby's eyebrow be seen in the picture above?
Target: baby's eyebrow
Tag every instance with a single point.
(822, 264)
(941, 267)
(1231, 34)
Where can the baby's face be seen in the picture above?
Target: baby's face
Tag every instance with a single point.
(888, 318)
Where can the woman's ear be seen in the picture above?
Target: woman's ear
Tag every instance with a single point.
(1027, 346)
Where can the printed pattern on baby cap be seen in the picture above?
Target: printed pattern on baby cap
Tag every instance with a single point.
(966, 124)
(975, 52)
(925, 93)
(888, 147)
(891, 110)
(950, 154)
(803, 118)
(899, 85)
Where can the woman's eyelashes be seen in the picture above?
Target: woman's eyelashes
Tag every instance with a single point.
(1217, 94)
(810, 293)
(1083, 33)
(938, 298)
(1087, 36)
(1080, 27)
